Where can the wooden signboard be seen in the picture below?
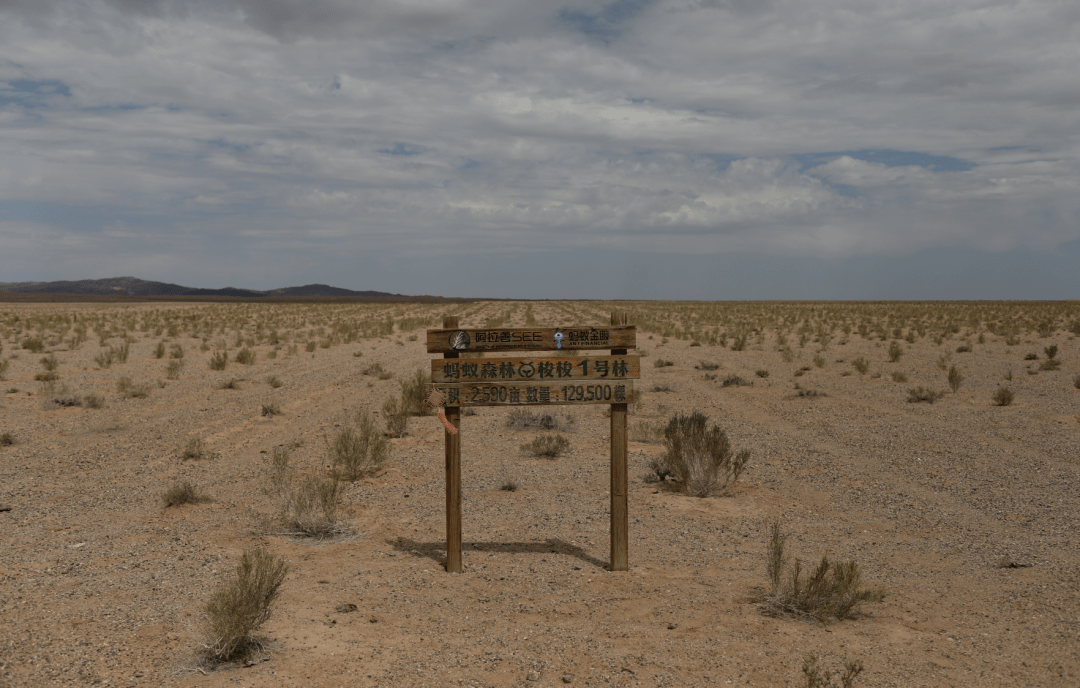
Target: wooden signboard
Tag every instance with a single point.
(576, 338)
(536, 393)
(520, 369)
(535, 381)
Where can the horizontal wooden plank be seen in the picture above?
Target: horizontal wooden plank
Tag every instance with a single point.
(525, 369)
(536, 393)
(576, 338)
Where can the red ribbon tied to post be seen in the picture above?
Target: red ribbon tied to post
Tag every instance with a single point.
(436, 400)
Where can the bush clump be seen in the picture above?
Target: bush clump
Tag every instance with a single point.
(129, 389)
(923, 394)
(241, 604)
(357, 450)
(309, 504)
(183, 493)
(245, 356)
(6, 439)
(815, 678)
(861, 365)
(549, 446)
(522, 419)
(833, 590)
(34, 344)
(698, 457)
(219, 360)
(1003, 396)
(955, 378)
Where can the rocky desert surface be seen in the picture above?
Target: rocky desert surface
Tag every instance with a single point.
(964, 511)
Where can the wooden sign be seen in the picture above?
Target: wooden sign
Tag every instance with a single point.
(536, 393)
(448, 341)
(518, 369)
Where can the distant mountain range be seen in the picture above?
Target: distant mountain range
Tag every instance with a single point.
(133, 286)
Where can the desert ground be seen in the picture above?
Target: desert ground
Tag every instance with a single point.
(964, 511)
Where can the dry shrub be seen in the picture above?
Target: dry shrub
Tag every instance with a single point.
(861, 364)
(6, 439)
(356, 451)
(172, 370)
(183, 493)
(129, 389)
(735, 381)
(833, 590)
(195, 451)
(955, 378)
(698, 457)
(549, 446)
(396, 415)
(1003, 396)
(923, 394)
(271, 409)
(241, 604)
(815, 678)
(219, 360)
(521, 419)
(34, 344)
(245, 356)
(309, 505)
(412, 393)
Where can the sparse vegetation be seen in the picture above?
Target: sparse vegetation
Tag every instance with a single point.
(357, 449)
(707, 365)
(231, 383)
(273, 381)
(955, 378)
(815, 678)
(523, 419)
(93, 401)
(194, 450)
(833, 590)
(898, 376)
(245, 356)
(309, 504)
(861, 365)
(172, 370)
(1003, 396)
(699, 457)
(896, 350)
(131, 390)
(6, 439)
(219, 360)
(241, 604)
(735, 381)
(923, 394)
(549, 446)
(183, 493)
(270, 409)
(396, 416)
(761, 372)
(34, 345)
(661, 363)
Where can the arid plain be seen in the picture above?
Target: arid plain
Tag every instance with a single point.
(964, 510)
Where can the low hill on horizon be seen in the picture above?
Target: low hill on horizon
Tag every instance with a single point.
(133, 286)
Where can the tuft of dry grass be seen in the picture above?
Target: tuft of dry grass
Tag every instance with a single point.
(219, 360)
(309, 504)
(833, 590)
(549, 446)
(6, 439)
(127, 388)
(1003, 396)
(815, 678)
(270, 409)
(183, 493)
(194, 450)
(241, 604)
(923, 394)
(523, 419)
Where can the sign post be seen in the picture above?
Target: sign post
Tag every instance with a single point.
(527, 381)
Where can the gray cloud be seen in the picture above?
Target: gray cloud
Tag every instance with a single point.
(483, 128)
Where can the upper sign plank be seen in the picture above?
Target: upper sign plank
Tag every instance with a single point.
(532, 339)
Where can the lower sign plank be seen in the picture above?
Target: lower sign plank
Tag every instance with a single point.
(537, 393)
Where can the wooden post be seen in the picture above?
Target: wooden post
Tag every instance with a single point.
(452, 442)
(620, 525)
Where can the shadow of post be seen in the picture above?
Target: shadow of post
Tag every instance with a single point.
(436, 551)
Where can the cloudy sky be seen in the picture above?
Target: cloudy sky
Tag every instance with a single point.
(699, 149)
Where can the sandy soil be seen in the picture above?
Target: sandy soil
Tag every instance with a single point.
(101, 585)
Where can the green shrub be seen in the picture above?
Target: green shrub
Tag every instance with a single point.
(219, 360)
(359, 450)
(700, 458)
(833, 590)
(241, 604)
(183, 493)
(549, 446)
(1003, 396)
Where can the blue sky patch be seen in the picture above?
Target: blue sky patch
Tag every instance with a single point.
(31, 92)
(889, 158)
